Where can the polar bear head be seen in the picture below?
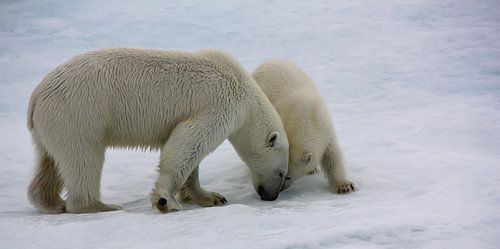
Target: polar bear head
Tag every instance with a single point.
(303, 162)
(263, 145)
(308, 137)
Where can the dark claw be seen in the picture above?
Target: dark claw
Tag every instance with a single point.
(162, 205)
(162, 202)
(224, 200)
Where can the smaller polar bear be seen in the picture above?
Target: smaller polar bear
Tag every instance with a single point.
(307, 122)
(182, 104)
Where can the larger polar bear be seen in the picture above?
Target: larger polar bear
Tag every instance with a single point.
(184, 104)
(307, 122)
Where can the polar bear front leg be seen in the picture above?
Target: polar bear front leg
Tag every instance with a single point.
(187, 145)
(192, 192)
(332, 164)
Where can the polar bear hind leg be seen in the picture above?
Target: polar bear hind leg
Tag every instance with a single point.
(81, 172)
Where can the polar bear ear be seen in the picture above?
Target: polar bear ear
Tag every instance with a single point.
(306, 158)
(272, 139)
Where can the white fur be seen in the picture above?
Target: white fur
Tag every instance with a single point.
(307, 121)
(184, 104)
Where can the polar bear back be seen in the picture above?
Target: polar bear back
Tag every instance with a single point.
(111, 88)
(291, 92)
(279, 78)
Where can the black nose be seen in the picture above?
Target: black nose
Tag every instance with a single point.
(260, 190)
(266, 196)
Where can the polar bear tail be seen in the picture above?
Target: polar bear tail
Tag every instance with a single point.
(45, 189)
(31, 108)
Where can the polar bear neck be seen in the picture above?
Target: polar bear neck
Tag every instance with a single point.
(259, 122)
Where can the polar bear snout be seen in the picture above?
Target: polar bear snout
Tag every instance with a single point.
(287, 183)
(271, 191)
(266, 195)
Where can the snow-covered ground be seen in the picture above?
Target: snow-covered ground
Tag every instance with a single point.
(414, 88)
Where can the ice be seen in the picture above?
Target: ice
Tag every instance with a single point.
(413, 88)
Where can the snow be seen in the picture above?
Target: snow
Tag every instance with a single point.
(414, 89)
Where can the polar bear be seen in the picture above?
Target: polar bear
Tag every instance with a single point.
(307, 121)
(183, 104)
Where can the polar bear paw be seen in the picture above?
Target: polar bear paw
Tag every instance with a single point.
(59, 206)
(164, 204)
(93, 208)
(344, 186)
(205, 199)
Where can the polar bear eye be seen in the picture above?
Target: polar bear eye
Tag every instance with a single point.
(272, 139)
(306, 158)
